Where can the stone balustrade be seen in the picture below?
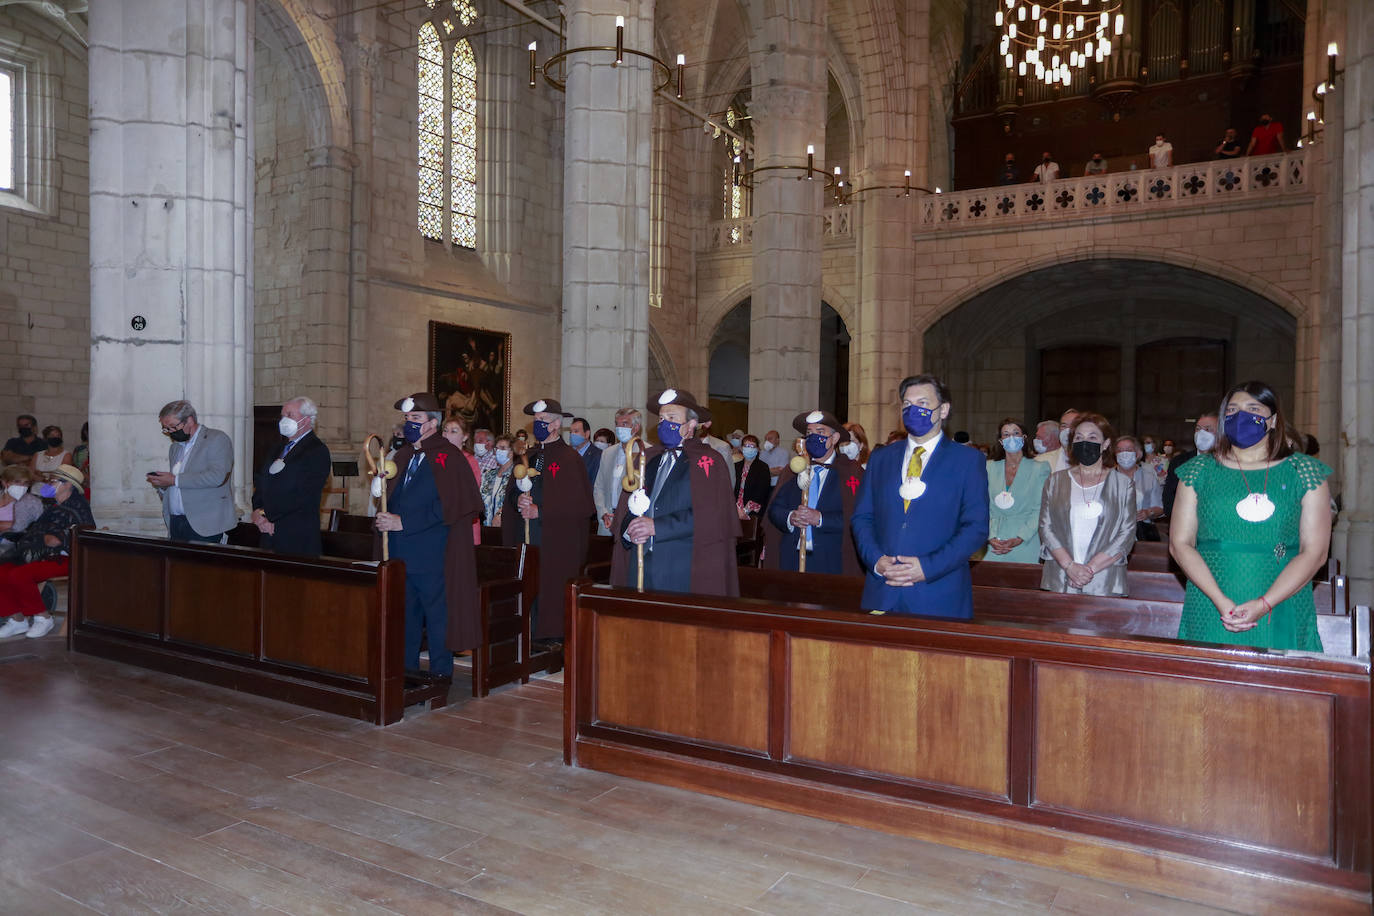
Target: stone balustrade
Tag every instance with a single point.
(1252, 179)
(837, 224)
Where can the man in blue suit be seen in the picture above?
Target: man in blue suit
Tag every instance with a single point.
(922, 512)
(832, 485)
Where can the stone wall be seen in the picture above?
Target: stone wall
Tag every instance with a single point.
(45, 334)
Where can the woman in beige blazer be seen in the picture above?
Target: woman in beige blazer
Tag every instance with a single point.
(1087, 517)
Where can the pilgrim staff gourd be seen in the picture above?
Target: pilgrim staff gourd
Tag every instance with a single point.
(633, 483)
(381, 469)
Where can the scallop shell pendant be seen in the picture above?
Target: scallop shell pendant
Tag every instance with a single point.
(638, 502)
(1256, 507)
(1004, 500)
(276, 466)
(912, 488)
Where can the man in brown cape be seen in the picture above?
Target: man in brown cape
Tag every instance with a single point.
(831, 488)
(689, 524)
(431, 504)
(556, 512)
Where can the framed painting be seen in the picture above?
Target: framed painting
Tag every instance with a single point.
(469, 372)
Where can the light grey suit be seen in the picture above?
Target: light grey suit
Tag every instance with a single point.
(206, 491)
(606, 488)
(1114, 534)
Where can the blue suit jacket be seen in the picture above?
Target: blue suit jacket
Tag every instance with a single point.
(827, 541)
(942, 529)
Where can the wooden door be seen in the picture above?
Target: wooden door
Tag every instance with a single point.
(1084, 376)
(1175, 381)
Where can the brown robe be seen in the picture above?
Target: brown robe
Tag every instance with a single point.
(462, 503)
(715, 525)
(846, 469)
(563, 493)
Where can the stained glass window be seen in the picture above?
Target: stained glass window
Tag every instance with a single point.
(7, 130)
(447, 125)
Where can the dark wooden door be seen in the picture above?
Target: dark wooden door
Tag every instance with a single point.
(1175, 381)
(1085, 376)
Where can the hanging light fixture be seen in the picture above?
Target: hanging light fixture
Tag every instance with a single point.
(1070, 34)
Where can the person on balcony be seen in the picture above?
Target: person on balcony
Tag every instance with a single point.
(1267, 138)
(1010, 173)
(1047, 170)
(1096, 166)
(1229, 147)
(1162, 153)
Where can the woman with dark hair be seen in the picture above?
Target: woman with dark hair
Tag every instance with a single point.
(1015, 487)
(1251, 525)
(1087, 516)
(751, 479)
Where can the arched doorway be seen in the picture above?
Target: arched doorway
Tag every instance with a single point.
(728, 373)
(1149, 344)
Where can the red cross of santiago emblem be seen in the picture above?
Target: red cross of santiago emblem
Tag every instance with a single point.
(442, 459)
(853, 484)
(705, 462)
(553, 470)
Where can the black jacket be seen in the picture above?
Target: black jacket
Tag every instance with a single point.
(291, 497)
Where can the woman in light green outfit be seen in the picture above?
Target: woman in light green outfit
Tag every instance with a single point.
(1015, 484)
(1250, 527)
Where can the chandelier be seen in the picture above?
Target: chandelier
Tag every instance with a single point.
(1052, 40)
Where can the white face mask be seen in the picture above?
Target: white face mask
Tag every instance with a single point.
(1149, 448)
(735, 441)
(1126, 459)
(623, 433)
(16, 491)
(479, 449)
(602, 445)
(1064, 438)
(850, 450)
(767, 445)
(1204, 440)
(1040, 447)
(288, 427)
(503, 455)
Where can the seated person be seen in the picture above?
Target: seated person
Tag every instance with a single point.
(19, 449)
(42, 553)
(18, 507)
(53, 455)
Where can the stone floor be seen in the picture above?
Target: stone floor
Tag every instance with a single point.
(127, 791)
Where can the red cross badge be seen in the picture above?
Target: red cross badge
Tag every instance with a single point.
(853, 484)
(553, 469)
(705, 462)
(441, 458)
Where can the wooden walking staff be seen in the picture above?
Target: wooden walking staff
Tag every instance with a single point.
(524, 482)
(380, 469)
(802, 468)
(638, 503)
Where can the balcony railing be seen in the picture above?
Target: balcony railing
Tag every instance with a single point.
(1116, 193)
(723, 235)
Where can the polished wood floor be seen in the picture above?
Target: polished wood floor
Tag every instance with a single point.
(125, 791)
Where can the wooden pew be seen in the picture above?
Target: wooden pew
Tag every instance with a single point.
(326, 634)
(508, 579)
(1236, 778)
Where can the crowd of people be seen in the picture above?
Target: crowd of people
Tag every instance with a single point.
(1265, 139)
(1249, 512)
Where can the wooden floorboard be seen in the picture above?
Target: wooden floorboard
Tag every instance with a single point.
(129, 791)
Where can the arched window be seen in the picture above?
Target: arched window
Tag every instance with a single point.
(447, 124)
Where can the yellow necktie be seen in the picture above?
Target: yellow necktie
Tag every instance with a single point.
(913, 469)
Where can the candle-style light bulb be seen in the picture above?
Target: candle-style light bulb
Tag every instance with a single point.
(620, 39)
(681, 68)
(906, 183)
(533, 47)
(1331, 49)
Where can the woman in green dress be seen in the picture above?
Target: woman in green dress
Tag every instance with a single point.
(1250, 527)
(1015, 484)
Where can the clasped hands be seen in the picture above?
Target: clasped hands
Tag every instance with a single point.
(263, 525)
(1079, 574)
(639, 530)
(1244, 616)
(804, 517)
(388, 521)
(1004, 545)
(528, 510)
(900, 572)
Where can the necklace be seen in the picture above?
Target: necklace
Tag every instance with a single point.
(1254, 507)
(1090, 507)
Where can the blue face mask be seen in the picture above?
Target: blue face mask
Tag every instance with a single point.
(623, 433)
(669, 433)
(1246, 429)
(750, 452)
(541, 431)
(576, 439)
(1014, 443)
(47, 490)
(918, 420)
(816, 445)
(411, 431)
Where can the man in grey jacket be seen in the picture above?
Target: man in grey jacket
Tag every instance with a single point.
(606, 486)
(197, 497)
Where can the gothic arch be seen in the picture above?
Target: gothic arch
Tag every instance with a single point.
(318, 67)
(1097, 252)
(660, 354)
(710, 317)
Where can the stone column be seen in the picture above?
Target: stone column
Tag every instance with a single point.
(787, 59)
(171, 238)
(1355, 96)
(608, 139)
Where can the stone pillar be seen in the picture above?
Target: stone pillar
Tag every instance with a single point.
(608, 140)
(171, 238)
(788, 64)
(1355, 96)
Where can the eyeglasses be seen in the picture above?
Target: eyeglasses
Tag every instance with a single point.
(168, 430)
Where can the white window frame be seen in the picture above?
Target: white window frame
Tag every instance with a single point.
(35, 87)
